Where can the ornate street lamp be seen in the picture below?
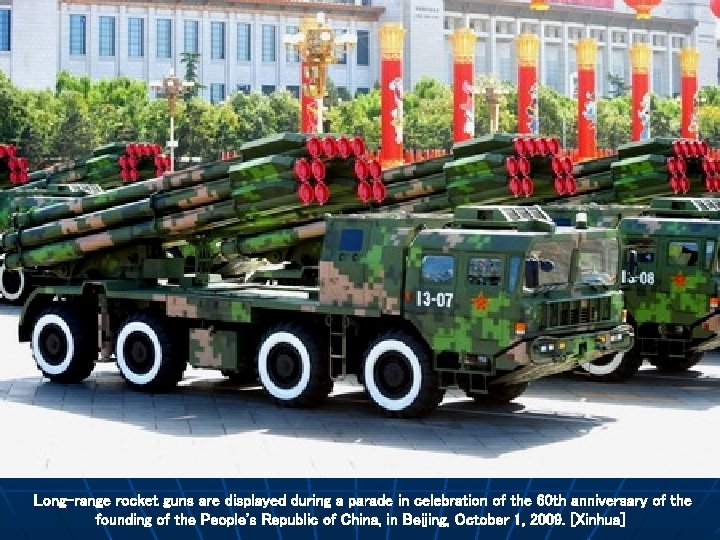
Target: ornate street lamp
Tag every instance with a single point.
(318, 47)
(171, 88)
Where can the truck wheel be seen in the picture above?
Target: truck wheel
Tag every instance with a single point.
(292, 367)
(675, 365)
(399, 376)
(13, 285)
(614, 367)
(146, 357)
(62, 345)
(499, 394)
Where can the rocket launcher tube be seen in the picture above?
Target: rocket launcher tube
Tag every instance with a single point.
(274, 240)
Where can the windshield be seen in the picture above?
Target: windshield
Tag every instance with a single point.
(598, 262)
(547, 265)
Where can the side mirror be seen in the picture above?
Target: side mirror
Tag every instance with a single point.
(547, 265)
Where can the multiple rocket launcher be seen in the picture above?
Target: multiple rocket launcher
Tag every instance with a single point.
(275, 194)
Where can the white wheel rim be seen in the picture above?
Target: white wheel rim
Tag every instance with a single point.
(606, 368)
(394, 346)
(11, 296)
(138, 378)
(47, 367)
(283, 338)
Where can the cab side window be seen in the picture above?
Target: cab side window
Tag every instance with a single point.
(438, 269)
(683, 253)
(485, 271)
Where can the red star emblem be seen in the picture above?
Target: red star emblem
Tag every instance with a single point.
(481, 303)
(679, 280)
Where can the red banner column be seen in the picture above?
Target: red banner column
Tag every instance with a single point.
(640, 58)
(392, 36)
(308, 103)
(463, 46)
(586, 53)
(689, 59)
(528, 47)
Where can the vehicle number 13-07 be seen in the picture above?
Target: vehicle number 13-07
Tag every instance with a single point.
(440, 299)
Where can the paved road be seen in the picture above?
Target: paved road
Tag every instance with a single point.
(566, 426)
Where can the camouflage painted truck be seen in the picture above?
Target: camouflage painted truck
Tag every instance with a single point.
(670, 275)
(485, 299)
(109, 166)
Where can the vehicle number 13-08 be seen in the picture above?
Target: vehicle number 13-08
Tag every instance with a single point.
(440, 299)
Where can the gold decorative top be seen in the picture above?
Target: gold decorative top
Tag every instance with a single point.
(528, 49)
(392, 41)
(586, 52)
(539, 5)
(640, 58)
(689, 60)
(463, 45)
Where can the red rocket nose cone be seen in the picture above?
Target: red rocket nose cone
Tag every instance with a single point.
(559, 185)
(672, 165)
(523, 166)
(361, 169)
(511, 165)
(553, 146)
(704, 148)
(379, 191)
(364, 191)
(344, 147)
(567, 165)
(710, 183)
(557, 166)
(681, 165)
(322, 193)
(375, 169)
(519, 146)
(302, 171)
(542, 147)
(570, 185)
(530, 147)
(329, 147)
(515, 187)
(314, 147)
(3, 151)
(318, 170)
(305, 193)
(358, 146)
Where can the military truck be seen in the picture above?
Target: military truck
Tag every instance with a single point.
(670, 277)
(484, 298)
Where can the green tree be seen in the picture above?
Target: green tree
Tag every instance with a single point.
(618, 85)
(614, 124)
(191, 60)
(361, 116)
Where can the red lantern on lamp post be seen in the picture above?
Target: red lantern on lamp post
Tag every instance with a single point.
(715, 7)
(642, 7)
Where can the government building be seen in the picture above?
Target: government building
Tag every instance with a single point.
(241, 48)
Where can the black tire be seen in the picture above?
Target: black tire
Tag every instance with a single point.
(499, 394)
(146, 356)
(613, 368)
(293, 367)
(399, 377)
(62, 345)
(675, 365)
(14, 285)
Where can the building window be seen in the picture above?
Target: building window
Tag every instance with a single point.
(243, 42)
(136, 37)
(363, 48)
(294, 90)
(107, 36)
(77, 34)
(192, 43)
(243, 88)
(269, 38)
(361, 91)
(292, 54)
(164, 38)
(217, 93)
(217, 40)
(4, 30)
(267, 89)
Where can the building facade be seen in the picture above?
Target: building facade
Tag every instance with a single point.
(240, 43)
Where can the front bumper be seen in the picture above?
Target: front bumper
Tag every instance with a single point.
(548, 355)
